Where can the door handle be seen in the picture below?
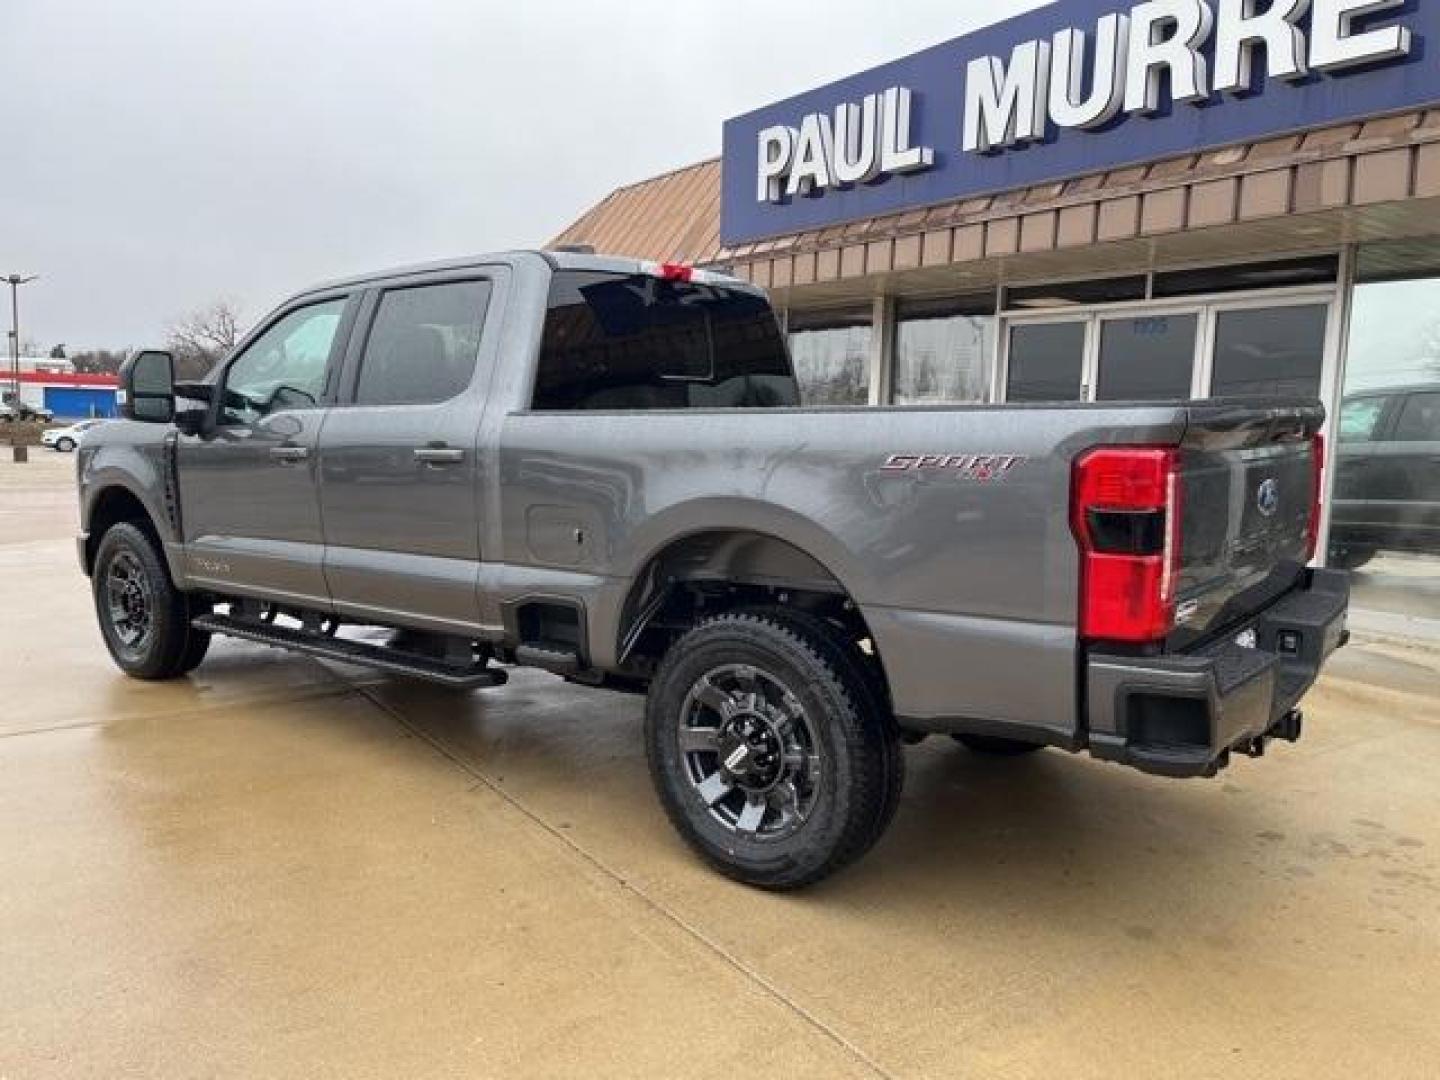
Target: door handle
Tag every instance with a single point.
(289, 455)
(439, 455)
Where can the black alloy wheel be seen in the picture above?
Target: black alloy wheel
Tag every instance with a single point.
(772, 747)
(144, 619)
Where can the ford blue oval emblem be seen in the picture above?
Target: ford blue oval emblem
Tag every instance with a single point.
(1268, 498)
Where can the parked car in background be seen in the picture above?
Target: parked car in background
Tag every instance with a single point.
(10, 411)
(66, 439)
(1387, 481)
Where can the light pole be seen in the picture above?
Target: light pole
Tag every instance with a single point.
(15, 281)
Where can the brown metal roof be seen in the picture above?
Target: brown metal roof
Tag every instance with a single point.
(1284, 193)
(672, 218)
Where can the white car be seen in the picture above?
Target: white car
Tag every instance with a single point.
(66, 439)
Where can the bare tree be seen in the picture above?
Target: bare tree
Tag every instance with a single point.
(203, 338)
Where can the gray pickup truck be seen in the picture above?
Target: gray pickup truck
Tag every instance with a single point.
(601, 468)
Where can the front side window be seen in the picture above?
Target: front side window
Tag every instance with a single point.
(623, 342)
(285, 367)
(423, 345)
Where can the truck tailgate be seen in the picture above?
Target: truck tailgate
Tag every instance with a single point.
(1248, 494)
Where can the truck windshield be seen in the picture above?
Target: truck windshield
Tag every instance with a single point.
(637, 342)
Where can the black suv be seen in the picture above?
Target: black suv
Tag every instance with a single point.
(1387, 490)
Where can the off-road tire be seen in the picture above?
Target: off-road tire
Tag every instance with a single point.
(171, 647)
(860, 769)
(994, 746)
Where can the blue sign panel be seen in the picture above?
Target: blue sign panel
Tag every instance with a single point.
(1076, 87)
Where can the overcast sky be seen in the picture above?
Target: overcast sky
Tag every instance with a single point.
(159, 154)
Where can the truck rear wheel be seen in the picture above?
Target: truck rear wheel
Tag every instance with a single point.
(144, 619)
(772, 752)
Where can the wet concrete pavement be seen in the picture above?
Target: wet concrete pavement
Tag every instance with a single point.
(284, 868)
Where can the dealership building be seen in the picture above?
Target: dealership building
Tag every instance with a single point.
(1093, 201)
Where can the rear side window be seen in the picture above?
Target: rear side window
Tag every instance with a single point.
(1419, 419)
(635, 342)
(423, 344)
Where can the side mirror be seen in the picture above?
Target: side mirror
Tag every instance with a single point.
(147, 387)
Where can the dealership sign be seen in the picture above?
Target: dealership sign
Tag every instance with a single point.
(1072, 88)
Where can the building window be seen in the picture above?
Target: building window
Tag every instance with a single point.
(831, 354)
(1270, 352)
(944, 350)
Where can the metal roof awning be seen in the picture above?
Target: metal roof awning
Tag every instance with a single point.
(1356, 182)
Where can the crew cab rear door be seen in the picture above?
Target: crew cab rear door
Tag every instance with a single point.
(399, 463)
(248, 493)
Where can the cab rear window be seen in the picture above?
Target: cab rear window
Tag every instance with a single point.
(625, 342)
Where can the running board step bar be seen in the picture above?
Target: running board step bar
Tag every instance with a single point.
(455, 676)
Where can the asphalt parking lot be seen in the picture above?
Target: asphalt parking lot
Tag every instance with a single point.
(284, 868)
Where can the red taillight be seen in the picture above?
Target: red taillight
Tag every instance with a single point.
(1125, 512)
(676, 272)
(1317, 496)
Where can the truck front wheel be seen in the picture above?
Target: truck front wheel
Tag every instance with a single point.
(771, 748)
(145, 620)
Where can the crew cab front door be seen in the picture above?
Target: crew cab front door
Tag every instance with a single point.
(248, 485)
(399, 468)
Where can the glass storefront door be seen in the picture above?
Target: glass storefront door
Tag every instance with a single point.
(1225, 347)
(1148, 357)
(1047, 360)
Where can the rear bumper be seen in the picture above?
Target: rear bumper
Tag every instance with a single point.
(1185, 715)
